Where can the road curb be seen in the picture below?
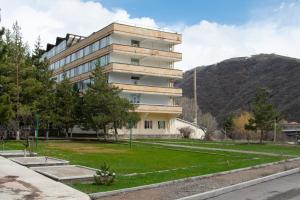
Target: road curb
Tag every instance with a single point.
(220, 191)
(115, 192)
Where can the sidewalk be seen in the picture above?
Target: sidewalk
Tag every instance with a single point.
(19, 182)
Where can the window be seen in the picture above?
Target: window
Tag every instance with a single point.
(135, 80)
(135, 98)
(62, 62)
(72, 73)
(56, 65)
(104, 60)
(87, 50)
(86, 67)
(148, 124)
(135, 43)
(68, 59)
(93, 64)
(76, 71)
(161, 124)
(86, 83)
(135, 61)
(95, 46)
(80, 53)
(73, 57)
(104, 42)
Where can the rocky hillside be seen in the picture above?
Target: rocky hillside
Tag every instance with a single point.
(227, 87)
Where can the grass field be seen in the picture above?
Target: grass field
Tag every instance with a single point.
(293, 150)
(151, 163)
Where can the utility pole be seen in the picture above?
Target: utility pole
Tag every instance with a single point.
(195, 96)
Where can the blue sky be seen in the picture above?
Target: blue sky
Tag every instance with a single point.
(192, 11)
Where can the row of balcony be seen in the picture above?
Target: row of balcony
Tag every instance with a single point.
(125, 30)
(138, 89)
(125, 50)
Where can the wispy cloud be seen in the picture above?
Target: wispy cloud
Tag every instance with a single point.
(274, 29)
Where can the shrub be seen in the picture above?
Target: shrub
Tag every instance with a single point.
(185, 132)
(104, 176)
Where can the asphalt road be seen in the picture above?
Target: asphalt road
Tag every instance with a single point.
(285, 188)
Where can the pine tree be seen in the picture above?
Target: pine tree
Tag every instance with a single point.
(103, 108)
(263, 113)
(65, 101)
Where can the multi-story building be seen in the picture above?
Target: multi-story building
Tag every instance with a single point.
(139, 61)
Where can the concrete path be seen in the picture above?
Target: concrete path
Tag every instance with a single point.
(214, 149)
(19, 182)
(285, 188)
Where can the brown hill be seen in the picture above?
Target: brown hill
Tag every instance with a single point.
(228, 86)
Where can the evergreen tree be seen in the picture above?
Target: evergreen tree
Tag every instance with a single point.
(228, 125)
(104, 108)
(263, 113)
(65, 101)
(95, 103)
(122, 113)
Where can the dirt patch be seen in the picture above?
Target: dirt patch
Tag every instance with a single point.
(7, 179)
(85, 148)
(34, 192)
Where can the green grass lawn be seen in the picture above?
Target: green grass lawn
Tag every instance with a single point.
(293, 150)
(143, 158)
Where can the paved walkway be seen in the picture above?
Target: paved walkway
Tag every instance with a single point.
(285, 188)
(214, 149)
(19, 182)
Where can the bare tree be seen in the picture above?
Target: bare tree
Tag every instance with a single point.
(210, 122)
(188, 108)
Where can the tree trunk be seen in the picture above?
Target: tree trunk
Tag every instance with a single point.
(116, 131)
(261, 136)
(97, 134)
(71, 133)
(105, 135)
(47, 132)
(67, 132)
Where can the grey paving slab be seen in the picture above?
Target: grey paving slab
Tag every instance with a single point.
(285, 188)
(68, 173)
(16, 153)
(38, 161)
(19, 182)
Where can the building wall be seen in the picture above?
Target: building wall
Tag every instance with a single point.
(140, 130)
(149, 44)
(156, 51)
(149, 99)
(144, 80)
(119, 58)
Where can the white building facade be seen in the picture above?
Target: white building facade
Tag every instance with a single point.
(139, 61)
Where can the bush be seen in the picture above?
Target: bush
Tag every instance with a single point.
(104, 176)
(185, 132)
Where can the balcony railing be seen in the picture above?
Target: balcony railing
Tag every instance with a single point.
(144, 70)
(147, 89)
(149, 108)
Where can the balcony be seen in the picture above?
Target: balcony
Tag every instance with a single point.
(144, 70)
(139, 51)
(146, 108)
(143, 89)
(152, 34)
